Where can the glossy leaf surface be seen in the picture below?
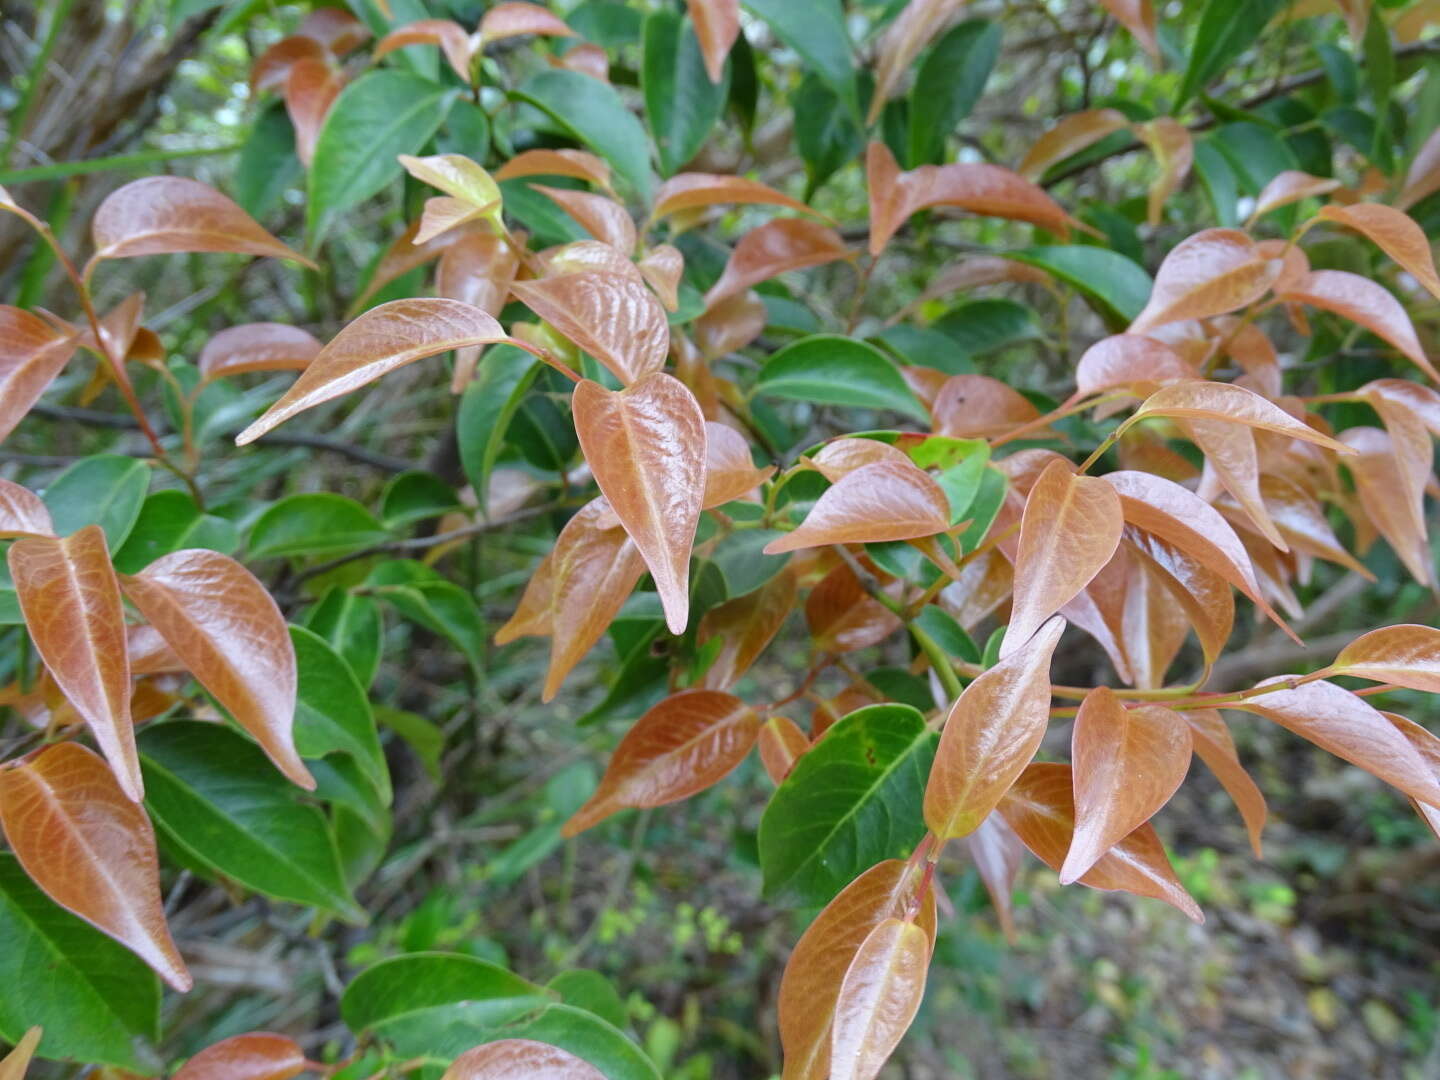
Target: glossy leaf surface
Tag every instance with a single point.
(259, 1055)
(886, 500)
(615, 319)
(32, 353)
(879, 998)
(520, 1057)
(1210, 273)
(1405, 655)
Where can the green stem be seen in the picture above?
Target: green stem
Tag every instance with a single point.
(62, 169)
(21, 112)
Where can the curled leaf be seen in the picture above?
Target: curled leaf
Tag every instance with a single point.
(336, 29)
(1404, 655)
(32, 353)
(1235, 404)
(1361, 301)
(272, 67)
(257, 347)
(1214, 746)
(774, 248)
(730, 472)
(887, 500)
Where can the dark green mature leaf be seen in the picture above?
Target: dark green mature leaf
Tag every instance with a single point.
(415, 496)
(486, 409)
(541, 215)
(1226, 29)
(332, 712)
(315, 523)
(351, 625)
(981, 326)
(816, 30)
(106, 490)
(170, 521)
(827, 134)
(834, 370)
(214, 795)
(982, 509)
(380, 115)
(1255, 154)
(423, 596)
(681, 103)
(1218, 179)
(1380, 78)
(436, 1004)
(267, 165)
(1116, 286)
(852, 800)
(589, 1037)
(594, 113)
(949, 82)
(96, 1000)
(591, 991)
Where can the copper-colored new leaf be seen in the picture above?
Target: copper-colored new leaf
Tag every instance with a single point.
(886, 500)
(988, 190)
(1127, 763)
(1040, 807)
(402, 256)
(383, 339)
(685, 744)
(1423, 176)
(1392, 491)
(775, 248)
(717, 25)
(781, 743)
(577, 164)
(907, 34)
(162, 215)
(1214, 746)
(1200, 592)
(991, 734)
(646, 446)
(91, 849)
(692, 191)
(1393, 232)
(457, 176)
(257, 1055)
(662, 267)
(510, 1059)
(1300, 519)
(22, 513)
(15, 1064)
(730, 471)
(1346, 725)
(998, 855)
(615, 319)
(1137, 16)
(979, 407)
(1210, 273)
(842, 616)
(1362, 301)
(1290, 186)
(1391, 395)
(454, 42)
(1404, 655)
(257, 347)
(71, 601)
(1071, 527)
(32, 353)
(1132, 362)
(810, 987)
(1231, 460)
(1174, 150)
(1427, 745)
(228, 631)
(844, 455)
(272, 67)
(730, 325)
(515, 17)
(310, 89)
(599, 215)
(335, 28)
(744, 626)
(1069, 136)
(879, 998)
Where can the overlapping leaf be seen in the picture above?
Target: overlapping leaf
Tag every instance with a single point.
(1210, 273)
(1404, 655)
(879, 998)
(775, 248)
(886, 500)
(257, 347)
(32, 353)
(258, 1055)
(615, 319)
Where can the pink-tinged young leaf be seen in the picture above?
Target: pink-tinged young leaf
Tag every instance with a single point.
(1361, 301)
(1392, 491)
(586, 256)
(71, 602)
(843, 617)
(1427, 745)
(717, 25)
(335, 28)
(730, 471)
(998, 856)
(15, 1064)
(781, 743)
(458, 177)
(1390, 395)
(383, 339)
(988, 190)
(886, 500)
(1069, 136)
(91, 848)
(310, 89)
(694, 191)
(599, 215)
(513, 1058)
(32, 353)
(910, 31)
(258, 1055)
(646, 446)
(1210, 273)
(613, 318)
(577, 164)
(991, 734)
(1301, 520)
(1174, 150)
(478, 269)
(454, 42)
(1215, 747)
(841, 456)
(730, 325)
(162, 215)
(272, 67)
(1290, 186)
(1393, 232)
(879, 998)
(443, 214)
(1137, 16)
(979, 407)
(1404, 655)
(1138, 364)
(688, 742)
(228, 631)
(775, 248)
(1126, 765)
(744, 625)
(1232, 461)
(257, 347)
(662, 267)
(1070, 528)
(1423, 176)
(1349, 727)
(1040, 807)
(402, 256)
(1152, 625)
(515, 17)
(811, 986)
(22, 513)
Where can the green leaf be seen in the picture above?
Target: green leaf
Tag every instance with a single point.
(834, 370)
(942, 628)
(350, 624)
(610, 24)
(1255, 153)
(267, 166)
(415, 496)
(332, 712)
(1380, 79)
(852, 800)
(96, 1000)
(424, 597)
(681, 103)
(961, 482)
(827, 134)
(436, 1004)
(595, 114)
(1117, 287)
(106, 490)
(315, 523)
(982, 326)
(486, 409)
(591, 991)
(740, 561)
(816, 30)
(586, 1036)
(1226, 29)
(924, 347)
(425, 737)
(983, 508)
(949, 82)
(214, 795)
(170, 521)
(380, 115)
(1218, 179)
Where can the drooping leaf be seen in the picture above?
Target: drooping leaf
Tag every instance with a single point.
(717, 25)
(916, 25)
(1210, 273)
(693, 191)
(992, 732)
(1174, 150)
(781, 743)
(685, 744)
(1404, 655)
(1215, 746)
(886, 500)
(879, 998)
(613, 318)
(1390, 482)
(310, 89)
(1362, 301)
(730, 471)
(744, 626)
(1070, 135)
(1133, 362)
(258, 1055)
(1235, 404)
(520, 1057)
(1137, 16)
(257, 347)
(775, 248)
(71, 600)
(1290, 186)
(998, 856)
(450, 36)
(577, 164)
(599, 215)
(84, 841)
(683, 99)
(32, 353)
